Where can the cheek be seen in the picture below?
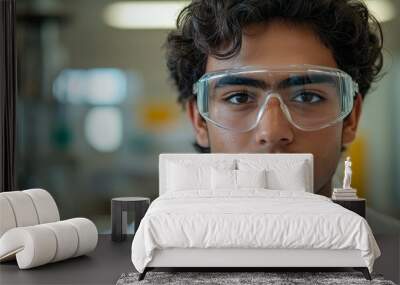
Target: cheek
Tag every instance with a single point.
(224, 141)
(325, 145)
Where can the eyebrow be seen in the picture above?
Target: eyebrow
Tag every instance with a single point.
(286, 83)
(305, 79)
(240, 80)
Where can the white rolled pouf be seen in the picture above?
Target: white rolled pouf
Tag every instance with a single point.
(45, 243)
(67, 239)
(45, 205)
(23, 208)
(33, 246)
(87, 233)
(7, 218)
(31, 232)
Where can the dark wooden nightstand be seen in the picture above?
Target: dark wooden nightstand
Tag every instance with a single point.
(355, 205)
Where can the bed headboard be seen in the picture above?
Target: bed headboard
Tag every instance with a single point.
(212, 158)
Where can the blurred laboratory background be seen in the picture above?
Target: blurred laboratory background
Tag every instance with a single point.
(95, 106)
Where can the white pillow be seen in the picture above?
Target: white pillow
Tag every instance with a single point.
(223, 179)
(280, 175)
(251, 178)
(228, 179)
(288, 179)
(184, 174)
(181, 177)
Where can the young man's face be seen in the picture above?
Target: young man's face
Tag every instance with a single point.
(280, 44)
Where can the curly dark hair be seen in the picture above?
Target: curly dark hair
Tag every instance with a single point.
(346, 27)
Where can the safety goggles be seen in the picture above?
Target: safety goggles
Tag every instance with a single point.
(311, 97)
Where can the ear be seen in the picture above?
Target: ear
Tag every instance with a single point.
(350, 124)
(199, 124)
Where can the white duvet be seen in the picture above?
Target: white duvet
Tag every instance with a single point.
(251, 218)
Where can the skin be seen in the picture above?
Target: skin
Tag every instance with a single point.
(279, 43)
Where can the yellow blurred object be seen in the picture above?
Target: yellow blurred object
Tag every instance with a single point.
(157, 116)
(357, 153)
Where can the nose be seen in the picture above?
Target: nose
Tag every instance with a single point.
(273, 129)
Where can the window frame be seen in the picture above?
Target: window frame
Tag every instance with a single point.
(8, 94)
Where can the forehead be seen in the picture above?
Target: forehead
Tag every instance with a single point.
(277, 43)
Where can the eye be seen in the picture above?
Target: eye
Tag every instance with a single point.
(239, 98)
(308, 97)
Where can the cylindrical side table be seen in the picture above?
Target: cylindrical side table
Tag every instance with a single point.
(119, 214)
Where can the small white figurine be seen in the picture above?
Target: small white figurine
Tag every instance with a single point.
(347, 174)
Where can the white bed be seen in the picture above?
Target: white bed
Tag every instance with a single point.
(250, 226)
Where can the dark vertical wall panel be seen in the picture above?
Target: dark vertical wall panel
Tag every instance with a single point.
(8, 86)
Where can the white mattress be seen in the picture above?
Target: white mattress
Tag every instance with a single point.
(252, 218)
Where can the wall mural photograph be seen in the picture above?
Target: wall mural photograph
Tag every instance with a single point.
(211, 124)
